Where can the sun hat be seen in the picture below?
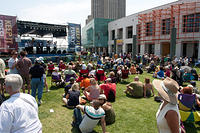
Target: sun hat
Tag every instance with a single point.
(167, 88)
(102, 96)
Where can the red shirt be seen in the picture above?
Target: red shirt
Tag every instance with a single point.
(50, 66)
(107, 87)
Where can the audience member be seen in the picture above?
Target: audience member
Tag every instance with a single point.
(135, 88)
(92, 115)
(168, 117)
(19, 114)
(12, 63)
(92, 92)
(71, 100)
(23, 65)
(148, 88)
(107, 107)
(37, 82)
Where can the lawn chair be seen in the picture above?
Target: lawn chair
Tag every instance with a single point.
(186, 108)
(56, 79)
(100, 75)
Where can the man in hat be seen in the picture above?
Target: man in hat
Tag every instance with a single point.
(135, 88)
(92, 115)
(37, 81)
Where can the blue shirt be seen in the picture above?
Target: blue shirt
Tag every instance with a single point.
(160, 73)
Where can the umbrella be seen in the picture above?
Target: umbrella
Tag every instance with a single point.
(186, 68)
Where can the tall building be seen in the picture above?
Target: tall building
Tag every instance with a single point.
(108, 9)
(95, 32)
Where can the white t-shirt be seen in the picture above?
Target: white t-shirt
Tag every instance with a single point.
(11, 61)
(91, 119)
(161, 121)
(19, 114)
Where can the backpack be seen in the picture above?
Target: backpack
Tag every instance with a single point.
(111, 96)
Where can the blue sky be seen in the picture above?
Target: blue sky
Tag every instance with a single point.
(63, 11)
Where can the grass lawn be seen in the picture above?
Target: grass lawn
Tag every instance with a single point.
(132, 115)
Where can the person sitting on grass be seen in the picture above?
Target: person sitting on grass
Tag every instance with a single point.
(133, 69)
(139, 70)
(92, 115)
(113, 77)
(71, 100)
(56, 76)
(135, 88)
(107, 107)
(109, 89)
(85, 82)
(148, 88)
(161, 74)
(67, 87)
(167, 71)
(92, 92)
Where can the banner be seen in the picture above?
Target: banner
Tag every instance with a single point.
(74, 37)
(8, 33)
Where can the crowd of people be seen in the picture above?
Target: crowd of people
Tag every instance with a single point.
(90, 87)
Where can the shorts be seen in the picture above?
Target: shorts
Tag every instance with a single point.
(26, 79)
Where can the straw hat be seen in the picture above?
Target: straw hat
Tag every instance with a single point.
(168, 89)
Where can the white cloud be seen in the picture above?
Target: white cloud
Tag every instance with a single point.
(75, 11)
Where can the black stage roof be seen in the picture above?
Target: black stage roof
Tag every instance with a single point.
(27, 27)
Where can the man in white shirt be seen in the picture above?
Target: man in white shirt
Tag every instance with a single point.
(93, 114)
(18, 114)
(12, 63)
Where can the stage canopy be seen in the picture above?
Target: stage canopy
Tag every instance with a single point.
(27, 27)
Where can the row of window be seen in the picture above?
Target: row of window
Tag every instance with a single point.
(191, 23)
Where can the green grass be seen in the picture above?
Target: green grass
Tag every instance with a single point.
(132, 115)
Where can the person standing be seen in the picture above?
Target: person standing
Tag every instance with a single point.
(18, 114)
(2, 75)
(23, 65)
(168, 117)
(12, 63)
(37, 81)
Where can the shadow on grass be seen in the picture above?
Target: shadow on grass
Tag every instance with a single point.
(76, 130)
(191, 127)
(54, 87)
(124, 82)
(129, 96)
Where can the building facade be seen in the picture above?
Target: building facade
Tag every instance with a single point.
(95, 35)
(153, 29)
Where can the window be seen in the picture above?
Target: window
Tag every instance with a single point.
(129, 33)
(112, 34)
(120, 34)
(139, 31)
(150, 29)
(166, 26)
(191, 23)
